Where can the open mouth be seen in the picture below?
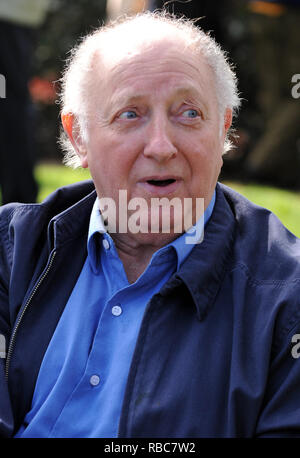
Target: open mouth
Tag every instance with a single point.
(161, 183)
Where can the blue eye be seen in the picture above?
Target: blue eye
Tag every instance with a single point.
(191, 113)
(128, 115)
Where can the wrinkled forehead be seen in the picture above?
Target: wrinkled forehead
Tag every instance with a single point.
(131, 53)
(149, 57)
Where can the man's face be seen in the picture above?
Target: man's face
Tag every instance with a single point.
(154, 128)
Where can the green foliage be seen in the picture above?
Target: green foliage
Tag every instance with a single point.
(285, 204)
(52, 176)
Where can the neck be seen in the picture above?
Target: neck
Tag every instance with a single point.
(136, 253)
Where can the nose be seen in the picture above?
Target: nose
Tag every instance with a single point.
(159, 144)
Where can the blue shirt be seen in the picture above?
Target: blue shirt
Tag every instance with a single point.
(82, 379)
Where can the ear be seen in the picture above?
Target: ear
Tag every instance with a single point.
(227, 120)
(72, 129)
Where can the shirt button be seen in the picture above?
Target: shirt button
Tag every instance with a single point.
(116, 310)
(94, 380)
(105, 244)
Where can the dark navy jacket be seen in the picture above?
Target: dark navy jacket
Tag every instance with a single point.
(214, 356)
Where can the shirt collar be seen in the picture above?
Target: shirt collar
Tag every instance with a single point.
(182, 244)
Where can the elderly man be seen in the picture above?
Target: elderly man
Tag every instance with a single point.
(113, 331)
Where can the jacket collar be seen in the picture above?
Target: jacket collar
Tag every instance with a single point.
(73, 219)
(204, 269)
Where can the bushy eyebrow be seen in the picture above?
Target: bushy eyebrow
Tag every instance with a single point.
(116, 103)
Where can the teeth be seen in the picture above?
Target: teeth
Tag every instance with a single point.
(161, 182)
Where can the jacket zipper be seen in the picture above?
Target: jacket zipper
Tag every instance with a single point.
(36, 287)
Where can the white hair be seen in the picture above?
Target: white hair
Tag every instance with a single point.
(117, 39)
